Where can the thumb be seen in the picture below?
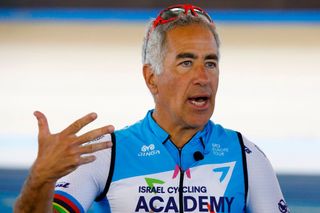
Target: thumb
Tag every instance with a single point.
(42, 123)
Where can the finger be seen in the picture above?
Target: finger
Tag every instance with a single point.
(79, 124)
(90, 148)
(42, 123)
(93, 134)
(87, 159)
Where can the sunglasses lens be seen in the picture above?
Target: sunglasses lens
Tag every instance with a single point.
(172, 13)
(203, 15)
(175, 12)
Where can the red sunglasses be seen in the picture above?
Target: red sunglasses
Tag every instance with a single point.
(173, 12)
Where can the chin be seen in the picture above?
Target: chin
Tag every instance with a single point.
(198, 123)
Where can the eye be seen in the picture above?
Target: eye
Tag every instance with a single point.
(186, 63)
(211, 64)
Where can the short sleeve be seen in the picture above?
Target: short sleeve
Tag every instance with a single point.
(77, 190)
(264, 193)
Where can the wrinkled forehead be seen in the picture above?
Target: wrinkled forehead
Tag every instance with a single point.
(191, 37)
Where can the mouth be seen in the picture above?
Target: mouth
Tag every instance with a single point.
(199, 101)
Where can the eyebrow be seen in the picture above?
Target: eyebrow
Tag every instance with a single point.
(193, 56)
(186, 55)
(212, 56)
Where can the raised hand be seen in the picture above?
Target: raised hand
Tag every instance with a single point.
(61, 153)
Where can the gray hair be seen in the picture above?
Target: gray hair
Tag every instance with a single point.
(154, 43)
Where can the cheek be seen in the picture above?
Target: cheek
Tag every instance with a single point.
(172, 91)
(166, 88)
(215, 83)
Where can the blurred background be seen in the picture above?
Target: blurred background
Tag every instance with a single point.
(69, 58)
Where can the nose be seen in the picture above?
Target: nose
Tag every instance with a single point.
(201, 76)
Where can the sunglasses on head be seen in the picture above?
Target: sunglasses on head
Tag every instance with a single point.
(174, 12)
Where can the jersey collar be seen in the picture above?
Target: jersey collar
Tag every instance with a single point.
(162, 135)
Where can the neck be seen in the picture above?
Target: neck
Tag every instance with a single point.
(181, 137)
(179, 134)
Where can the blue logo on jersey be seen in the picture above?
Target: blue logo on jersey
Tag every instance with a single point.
(63, 184)
(247, 150)
(190, 204)
(223, 170)
(283, 206)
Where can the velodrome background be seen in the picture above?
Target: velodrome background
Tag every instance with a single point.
(66, 67)
(67, 63)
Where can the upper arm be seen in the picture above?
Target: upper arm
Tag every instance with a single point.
(80, 188)
(264, 193)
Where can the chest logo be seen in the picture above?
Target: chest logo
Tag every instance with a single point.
(150, 150)
(224, 171)
(152, 185)
(218, 150)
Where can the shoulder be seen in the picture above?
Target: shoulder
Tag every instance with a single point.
(252, 149)
(218, 131)
(132, 129)
(91, 178)
(257, 161)
(264, 192)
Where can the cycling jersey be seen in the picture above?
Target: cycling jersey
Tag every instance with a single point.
(215, 171)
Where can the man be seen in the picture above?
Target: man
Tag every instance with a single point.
(175, 159)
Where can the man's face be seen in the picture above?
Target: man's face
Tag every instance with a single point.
(186, 89)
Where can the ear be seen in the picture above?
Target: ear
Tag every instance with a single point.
(150, 79)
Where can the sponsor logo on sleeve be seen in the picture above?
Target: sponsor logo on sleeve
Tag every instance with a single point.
(283, 207)
(247, 150)
(62, 185)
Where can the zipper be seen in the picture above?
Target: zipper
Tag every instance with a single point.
(181, 185)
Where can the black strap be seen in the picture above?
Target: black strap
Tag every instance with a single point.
(244, 166)
(110, 175)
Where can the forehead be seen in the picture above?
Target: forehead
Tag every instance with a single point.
(193, 37)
